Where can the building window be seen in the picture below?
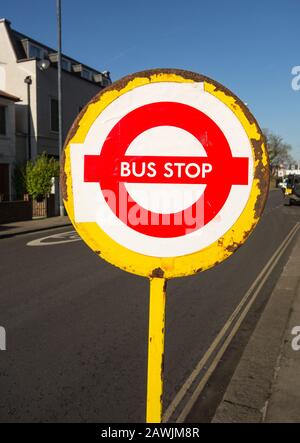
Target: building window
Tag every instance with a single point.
(4, 182)
(35, 52)
(2, 120)
(86, 74)
(66, 65)
(54, 114)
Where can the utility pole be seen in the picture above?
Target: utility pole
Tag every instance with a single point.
(60, 114)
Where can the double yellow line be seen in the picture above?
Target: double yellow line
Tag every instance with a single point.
(234, 320)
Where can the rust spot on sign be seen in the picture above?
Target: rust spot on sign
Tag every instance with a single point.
(165, 286)
(233, 247)
(157, 273)
(262, 174)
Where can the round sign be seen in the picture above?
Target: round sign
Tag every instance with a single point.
(165, 173)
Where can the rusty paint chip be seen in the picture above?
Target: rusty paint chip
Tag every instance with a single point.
(157, 273)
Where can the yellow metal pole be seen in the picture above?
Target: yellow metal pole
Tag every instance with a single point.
(156, 342)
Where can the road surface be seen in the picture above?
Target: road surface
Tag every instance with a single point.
(77, 327)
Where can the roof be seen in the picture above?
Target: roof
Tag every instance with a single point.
(8, 96)
(15, 39)
(18, 41)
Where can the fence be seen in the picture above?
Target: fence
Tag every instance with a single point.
(12, 211)
(39, 208)
(44, 208)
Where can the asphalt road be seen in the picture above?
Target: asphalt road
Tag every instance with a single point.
(77, 327)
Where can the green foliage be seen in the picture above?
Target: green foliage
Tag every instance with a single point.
(38, 175)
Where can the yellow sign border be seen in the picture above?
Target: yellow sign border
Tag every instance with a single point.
(166, 267)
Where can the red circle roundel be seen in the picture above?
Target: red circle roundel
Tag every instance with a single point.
(215, 169)
(165, 170)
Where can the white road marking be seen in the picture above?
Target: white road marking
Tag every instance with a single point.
(262, 277)
(2, 339)
(63, 237)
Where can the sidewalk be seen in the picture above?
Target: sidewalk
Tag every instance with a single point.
(24, 227)
(265, 387)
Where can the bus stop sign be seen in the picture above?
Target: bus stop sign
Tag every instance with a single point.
(165, 173)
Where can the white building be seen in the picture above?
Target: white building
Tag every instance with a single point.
(28, 99)
(7, 142)
(283, 171)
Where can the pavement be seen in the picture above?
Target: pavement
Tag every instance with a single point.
(265, 387)
(35, 225)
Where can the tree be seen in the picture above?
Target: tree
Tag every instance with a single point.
(279, 151)
(38, 175)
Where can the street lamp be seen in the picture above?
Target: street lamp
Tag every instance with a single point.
(43, 65)
(28, 81)
(60, 128)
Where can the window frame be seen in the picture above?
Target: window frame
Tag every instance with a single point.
(67, 66)
(88, 72)
(37, 48)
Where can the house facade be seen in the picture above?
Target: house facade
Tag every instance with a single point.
(7, 142)
(29, 111)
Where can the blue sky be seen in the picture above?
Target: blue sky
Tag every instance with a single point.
(250, 47)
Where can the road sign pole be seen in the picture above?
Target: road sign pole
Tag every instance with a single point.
(60, 110)
(141, 184)
(156, 342)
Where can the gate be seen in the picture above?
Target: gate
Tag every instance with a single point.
(39, 208)
(45, 207)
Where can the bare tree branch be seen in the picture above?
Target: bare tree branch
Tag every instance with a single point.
(279, 151)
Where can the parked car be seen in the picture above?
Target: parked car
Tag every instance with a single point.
(292, 190)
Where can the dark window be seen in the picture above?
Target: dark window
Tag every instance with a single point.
(4, 182)
(86, 74)
(66, 65)
(54, 115)
(35, 52)
(3, 120)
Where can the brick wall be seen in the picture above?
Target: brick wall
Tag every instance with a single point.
(15, 211)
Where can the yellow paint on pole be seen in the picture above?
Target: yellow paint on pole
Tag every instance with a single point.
(156, 342)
